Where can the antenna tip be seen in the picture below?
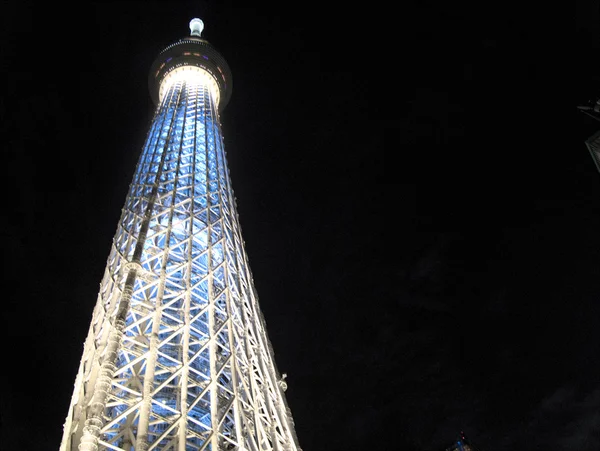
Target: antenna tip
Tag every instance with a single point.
(196, 27)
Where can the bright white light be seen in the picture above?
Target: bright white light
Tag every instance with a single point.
(196, 27)
(191, 75)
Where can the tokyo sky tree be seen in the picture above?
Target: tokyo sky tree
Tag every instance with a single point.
(177, 356)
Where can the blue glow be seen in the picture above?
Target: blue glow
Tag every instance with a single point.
(193, 239)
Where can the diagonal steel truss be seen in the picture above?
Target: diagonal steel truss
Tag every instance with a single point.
(177, 356)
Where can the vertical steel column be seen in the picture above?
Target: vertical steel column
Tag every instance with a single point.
(183, 378)
(211, 297)
(142, 436)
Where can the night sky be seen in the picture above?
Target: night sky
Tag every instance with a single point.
(421, 214)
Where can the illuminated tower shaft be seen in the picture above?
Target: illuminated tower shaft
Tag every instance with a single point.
(177, 356)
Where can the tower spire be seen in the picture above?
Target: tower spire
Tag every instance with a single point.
(196, 27)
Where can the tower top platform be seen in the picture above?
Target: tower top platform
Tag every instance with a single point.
(192, 51)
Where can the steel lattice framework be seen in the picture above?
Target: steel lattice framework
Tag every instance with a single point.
(177, 356)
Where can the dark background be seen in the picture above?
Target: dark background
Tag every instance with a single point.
(421, 214)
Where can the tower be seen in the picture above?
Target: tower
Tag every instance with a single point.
(177, 356)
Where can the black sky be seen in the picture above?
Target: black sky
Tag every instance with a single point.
(419, 208)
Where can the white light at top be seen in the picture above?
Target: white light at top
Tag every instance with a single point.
(192, 75)
(196, 27)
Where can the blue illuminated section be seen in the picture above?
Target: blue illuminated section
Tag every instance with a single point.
(193, 278)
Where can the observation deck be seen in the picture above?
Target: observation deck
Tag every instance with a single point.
(191, 52)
